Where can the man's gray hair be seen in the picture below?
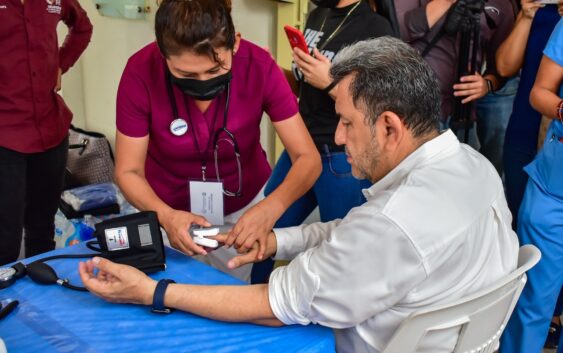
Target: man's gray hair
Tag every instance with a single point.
(389, 75)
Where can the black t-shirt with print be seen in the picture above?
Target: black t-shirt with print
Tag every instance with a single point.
(316, 106)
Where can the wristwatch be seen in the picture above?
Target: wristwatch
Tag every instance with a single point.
(490, 86)
(158, 297)
(8, 275)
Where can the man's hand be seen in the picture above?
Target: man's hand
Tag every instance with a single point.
(472, 87)
(315, 68)
(254, 225)
(59, 80)
(116, 283)
(560, 7)
(177, 224)
(252, 256)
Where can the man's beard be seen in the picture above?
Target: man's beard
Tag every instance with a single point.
(364, 165)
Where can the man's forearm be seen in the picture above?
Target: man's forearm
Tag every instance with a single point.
(78, 37)
(224, 303)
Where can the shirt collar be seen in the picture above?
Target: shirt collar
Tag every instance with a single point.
(442, 145)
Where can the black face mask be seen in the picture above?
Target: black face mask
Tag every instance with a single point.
(202, 90)
(331, 4)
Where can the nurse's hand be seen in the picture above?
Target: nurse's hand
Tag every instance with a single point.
(115, 282)
(177, 224)
(315, 69)
(254, 226)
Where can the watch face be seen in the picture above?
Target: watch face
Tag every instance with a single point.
(6, 273)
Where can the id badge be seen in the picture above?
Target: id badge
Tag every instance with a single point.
(206, 199)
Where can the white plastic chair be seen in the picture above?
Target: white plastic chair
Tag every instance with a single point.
(481, 316)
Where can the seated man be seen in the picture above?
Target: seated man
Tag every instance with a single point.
(435, 226)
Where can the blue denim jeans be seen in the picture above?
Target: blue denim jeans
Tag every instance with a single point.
(493, 113)
(335, 192)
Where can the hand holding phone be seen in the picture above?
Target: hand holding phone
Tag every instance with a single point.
(296, 38)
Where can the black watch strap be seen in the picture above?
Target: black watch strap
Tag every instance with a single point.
(158, 297)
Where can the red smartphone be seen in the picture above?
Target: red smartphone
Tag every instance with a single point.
(296, 38)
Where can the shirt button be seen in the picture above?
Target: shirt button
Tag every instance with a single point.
(33, 74)
(27, 20)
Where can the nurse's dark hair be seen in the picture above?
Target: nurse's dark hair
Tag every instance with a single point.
(198, 26)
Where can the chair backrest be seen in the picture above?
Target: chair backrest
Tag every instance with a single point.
(481, 317)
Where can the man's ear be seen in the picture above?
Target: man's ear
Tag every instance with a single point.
(391, 130)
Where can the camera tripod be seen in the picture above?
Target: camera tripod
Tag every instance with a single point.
(469, 29)
(463, 18)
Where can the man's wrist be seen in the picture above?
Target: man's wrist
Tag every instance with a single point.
(149, 292)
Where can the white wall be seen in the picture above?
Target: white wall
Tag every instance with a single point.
(90, 87)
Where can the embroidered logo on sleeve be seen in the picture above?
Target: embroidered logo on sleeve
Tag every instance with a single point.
(54, 6)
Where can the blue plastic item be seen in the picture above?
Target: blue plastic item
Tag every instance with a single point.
(91, 196)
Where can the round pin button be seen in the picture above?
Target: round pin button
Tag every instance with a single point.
(178, 127)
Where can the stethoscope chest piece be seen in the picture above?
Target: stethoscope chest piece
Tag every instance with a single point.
(178, 127)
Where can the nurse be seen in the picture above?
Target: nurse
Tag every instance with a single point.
(188, 129)
(541, 213)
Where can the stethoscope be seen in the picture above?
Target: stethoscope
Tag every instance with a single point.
(179, 127)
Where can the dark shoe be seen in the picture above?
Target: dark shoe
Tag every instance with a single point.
(553, 336)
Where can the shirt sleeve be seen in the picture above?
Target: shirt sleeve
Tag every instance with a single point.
(133, 105)
(79, 34)
(554, 47)
(279, 101)
(294, 240)
(366, 266)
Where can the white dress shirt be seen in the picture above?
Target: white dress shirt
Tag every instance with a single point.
(433, 230)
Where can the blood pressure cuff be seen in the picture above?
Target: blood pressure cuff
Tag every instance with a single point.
(134, 240)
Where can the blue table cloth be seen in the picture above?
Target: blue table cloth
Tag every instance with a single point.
(51, 318)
